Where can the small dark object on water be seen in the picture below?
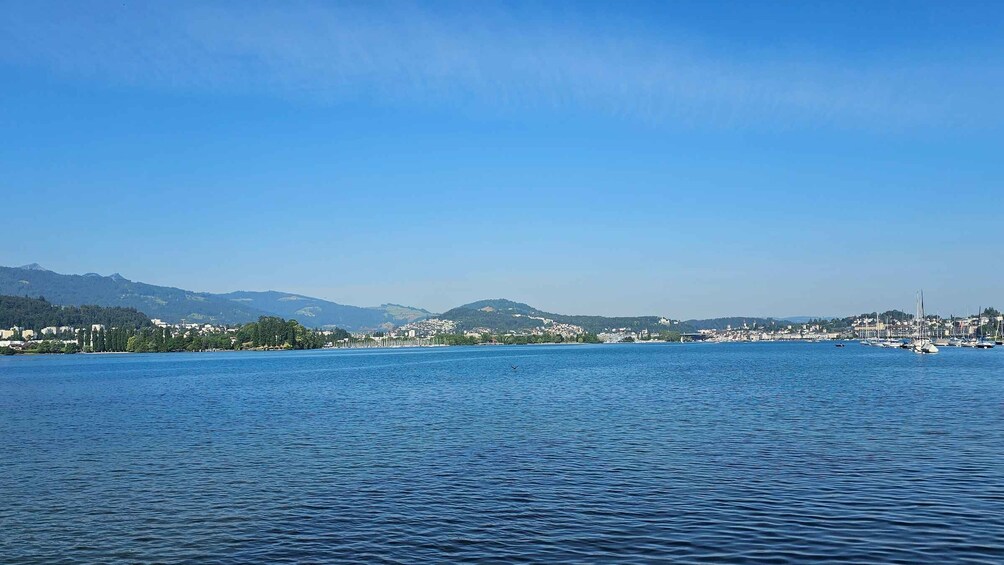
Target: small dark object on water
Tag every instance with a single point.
(514, 367)
(840, 345)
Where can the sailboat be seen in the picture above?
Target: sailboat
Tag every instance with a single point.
(888, 341)
(922, 344)
(866, 341)
(983, 342)
(941, 340)
(874, 340)
(954, 340)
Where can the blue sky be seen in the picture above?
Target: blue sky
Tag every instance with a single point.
(688, 159)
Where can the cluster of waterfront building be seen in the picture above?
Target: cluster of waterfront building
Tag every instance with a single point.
(964, 330)
(425, 328)
(966, 327)
(860, 328)
(210, 329)
(17, 337)
(805, 332)
(425, 332)
(20, 338)
(432, 327)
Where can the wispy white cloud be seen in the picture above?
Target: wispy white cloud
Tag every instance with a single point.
(483, 56)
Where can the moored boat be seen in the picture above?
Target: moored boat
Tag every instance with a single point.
(922, 344)
(982, 342)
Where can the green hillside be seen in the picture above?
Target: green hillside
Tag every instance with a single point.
(38, 313)
(166, 303)
(178, 305)
(501, 315)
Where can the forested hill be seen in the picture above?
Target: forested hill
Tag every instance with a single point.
(166, 303)
(178, 305)
(37, 313)
(501, 315)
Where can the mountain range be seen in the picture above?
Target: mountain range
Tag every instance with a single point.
(176, 305)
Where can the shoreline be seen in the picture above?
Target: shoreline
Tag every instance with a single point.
(424, 346)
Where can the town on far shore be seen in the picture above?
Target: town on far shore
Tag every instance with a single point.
(132, 331)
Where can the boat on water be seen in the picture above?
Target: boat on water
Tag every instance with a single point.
(953, 339)
(887, 341)
(982, 342)
(875, 339)
(922, 344)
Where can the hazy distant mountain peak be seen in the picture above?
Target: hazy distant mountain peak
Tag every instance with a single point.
(34, 267)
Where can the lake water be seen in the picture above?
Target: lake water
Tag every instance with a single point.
(628, 453)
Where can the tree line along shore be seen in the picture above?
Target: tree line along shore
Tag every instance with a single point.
(39, 327)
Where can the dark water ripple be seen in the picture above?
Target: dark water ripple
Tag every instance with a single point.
(771, 453)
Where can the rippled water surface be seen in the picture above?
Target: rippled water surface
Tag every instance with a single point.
(719, 453)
